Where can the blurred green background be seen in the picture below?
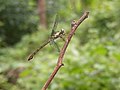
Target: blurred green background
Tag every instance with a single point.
(92, 59)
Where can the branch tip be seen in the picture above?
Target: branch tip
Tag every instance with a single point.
(87, 13)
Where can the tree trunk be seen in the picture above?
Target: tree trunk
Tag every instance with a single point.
(42, 12)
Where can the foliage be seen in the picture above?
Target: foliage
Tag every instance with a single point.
(91, 61)
(16, 20)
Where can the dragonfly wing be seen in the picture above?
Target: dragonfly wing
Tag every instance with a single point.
(55, 25)
(55, 45)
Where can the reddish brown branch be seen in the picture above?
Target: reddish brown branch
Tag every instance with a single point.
(62, 52)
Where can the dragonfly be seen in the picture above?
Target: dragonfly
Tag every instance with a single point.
(54, 35)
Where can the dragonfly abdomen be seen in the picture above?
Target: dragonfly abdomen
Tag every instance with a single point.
(37, 50)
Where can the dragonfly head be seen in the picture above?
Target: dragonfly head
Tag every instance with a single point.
(62, 32)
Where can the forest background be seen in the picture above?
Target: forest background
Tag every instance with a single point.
(92, 60)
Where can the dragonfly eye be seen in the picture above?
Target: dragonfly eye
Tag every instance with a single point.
(62, 31)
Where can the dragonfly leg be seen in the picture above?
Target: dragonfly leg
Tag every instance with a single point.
(62, 38)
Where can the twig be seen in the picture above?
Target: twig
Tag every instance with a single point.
(74, 26)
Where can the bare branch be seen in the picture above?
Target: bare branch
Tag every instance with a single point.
(62, 52)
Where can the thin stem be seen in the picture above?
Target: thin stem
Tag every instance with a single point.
(62, 52)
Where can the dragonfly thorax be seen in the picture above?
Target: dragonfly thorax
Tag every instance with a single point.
(58, 33)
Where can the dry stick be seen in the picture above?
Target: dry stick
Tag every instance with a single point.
(62, 52)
